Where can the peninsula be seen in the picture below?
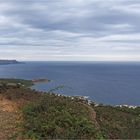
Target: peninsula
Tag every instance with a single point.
(5, 62)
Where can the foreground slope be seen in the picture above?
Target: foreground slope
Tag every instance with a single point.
(29, 114)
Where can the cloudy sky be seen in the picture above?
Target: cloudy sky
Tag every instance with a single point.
(82, 30)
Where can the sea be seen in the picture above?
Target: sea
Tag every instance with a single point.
(110, 83)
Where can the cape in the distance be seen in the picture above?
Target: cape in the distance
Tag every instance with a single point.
(5, 62)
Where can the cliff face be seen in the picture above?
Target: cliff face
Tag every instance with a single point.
(4, 62)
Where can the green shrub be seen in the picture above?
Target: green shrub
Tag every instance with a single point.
(57, 117)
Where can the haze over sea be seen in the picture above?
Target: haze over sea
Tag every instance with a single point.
(104, 82)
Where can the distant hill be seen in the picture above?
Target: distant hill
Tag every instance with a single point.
(5, 62)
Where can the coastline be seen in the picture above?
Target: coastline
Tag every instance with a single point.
(109, 89)
(13, 82)
(72, 112)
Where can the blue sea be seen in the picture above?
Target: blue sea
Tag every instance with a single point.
(110, 83)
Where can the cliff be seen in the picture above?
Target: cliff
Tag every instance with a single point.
(5, 62)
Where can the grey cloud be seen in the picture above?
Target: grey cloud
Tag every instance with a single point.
(64, 27)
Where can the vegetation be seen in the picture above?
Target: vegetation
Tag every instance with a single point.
(26, 83)
(118, 123)
(58, 117)
(50, 116)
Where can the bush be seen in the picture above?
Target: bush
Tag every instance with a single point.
(57, 117)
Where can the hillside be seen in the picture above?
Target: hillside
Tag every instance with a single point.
(29, 114)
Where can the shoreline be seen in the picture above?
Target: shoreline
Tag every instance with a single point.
(14, 82)
(38, 111)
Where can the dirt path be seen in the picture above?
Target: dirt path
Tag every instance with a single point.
(92, 114)
(8, 118)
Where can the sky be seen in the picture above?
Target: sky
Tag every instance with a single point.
(70, 30)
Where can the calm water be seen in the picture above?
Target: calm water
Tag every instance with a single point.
(109, 83)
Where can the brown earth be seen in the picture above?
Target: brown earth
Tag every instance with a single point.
(9, 118)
